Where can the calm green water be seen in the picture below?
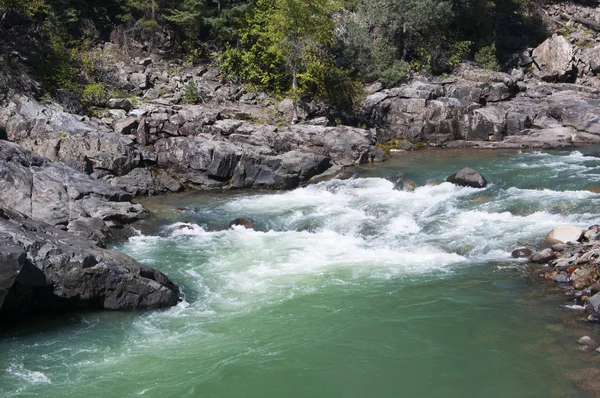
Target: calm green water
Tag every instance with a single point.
(343, 289)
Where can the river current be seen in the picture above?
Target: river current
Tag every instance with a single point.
(346, 288)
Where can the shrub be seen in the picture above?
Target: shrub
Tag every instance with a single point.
(486, 57)
(190, 93)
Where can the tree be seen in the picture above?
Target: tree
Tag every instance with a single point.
(285, 45)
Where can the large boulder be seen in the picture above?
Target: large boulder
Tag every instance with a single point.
(552, 60)
(564, 234)
(12, 261)
(543, 256)
(63, 272)
(468, 177)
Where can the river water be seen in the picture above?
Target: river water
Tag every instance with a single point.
(353, 288)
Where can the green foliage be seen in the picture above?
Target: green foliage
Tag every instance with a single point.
(486, 57)
(94, 94)
(190, 93)
(460, 50)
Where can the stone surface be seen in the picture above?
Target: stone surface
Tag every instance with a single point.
(12, 262)
(564, 234)
(468, 177)
(64, 272)
(522, 252)
(543, 256)
(552, 60)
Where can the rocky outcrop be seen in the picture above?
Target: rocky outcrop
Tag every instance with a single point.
(468, 177)
(487, 110)
(162, 147)
(51, 270)
(58, 195)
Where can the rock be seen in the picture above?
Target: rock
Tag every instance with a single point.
(593, 306)
(561, 278)
(140, 80)
(120, 103)
(127, 125)
(592, 233)
(240, 222)
(543, 256)
(552, 60)
(65, 272)
(468, 177)
(564, 234)
(582, 278)
(12, 261)
(292, 110)
(406, 146)
(559, 247)
(56, 194)
(169, 183)
(587, 340)
(522, 252)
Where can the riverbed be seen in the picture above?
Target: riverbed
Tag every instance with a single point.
(390, 283)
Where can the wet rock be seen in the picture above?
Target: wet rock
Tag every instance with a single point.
(406, 146)
(561, 277)
(468, 177)
(243, 222)
(564, 234)
(522, 252)
(543, 256)
(66, 272)
(559, 247)
(592, 233)
(409, 185)
(582, 278)
(170, 183)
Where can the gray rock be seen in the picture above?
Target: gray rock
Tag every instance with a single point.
(169, 183)
(544, 256)
(468, 177)
(552, 60)
(127, 125)
(64, 272)
(12, 261)
(120, 103)
(140, 80)
(292, 110)
(562, 278)
(582, 278)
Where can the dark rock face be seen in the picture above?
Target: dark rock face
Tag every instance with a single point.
(522, 252)
(468, 177)
(60, 196)
(63, 272)
(244, 222)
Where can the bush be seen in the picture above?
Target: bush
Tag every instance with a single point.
(94, 94)
(486, 57)
(190, 93)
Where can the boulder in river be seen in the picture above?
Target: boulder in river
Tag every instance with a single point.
(243, 222)
(64, 272)
(522, 252)
(468, 177)
(564, 234)
(543, 256)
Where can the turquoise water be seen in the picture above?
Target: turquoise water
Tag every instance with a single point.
(352, 288)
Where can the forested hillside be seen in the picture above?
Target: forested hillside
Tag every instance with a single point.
(322, 49)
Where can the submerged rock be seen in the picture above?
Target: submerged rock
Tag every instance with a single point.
(468, 177)
(522, 252)
(241, 222)
(564, 234)
(63, 272)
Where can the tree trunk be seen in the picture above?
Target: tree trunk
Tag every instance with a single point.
(294, 88)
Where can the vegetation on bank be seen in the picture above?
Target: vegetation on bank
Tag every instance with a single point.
(310, 49)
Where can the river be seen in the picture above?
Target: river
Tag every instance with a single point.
(347, 288)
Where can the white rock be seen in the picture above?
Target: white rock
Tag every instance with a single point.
(564, 234)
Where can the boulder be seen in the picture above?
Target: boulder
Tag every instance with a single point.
(120, 103)
(140, 80)
(243, 222)
(522, 252)
(292, 110)
(552, 60)
(63, 272)
(126, 125)
(582, 278)
(544, 256)
(468, 177)
(564, 234)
